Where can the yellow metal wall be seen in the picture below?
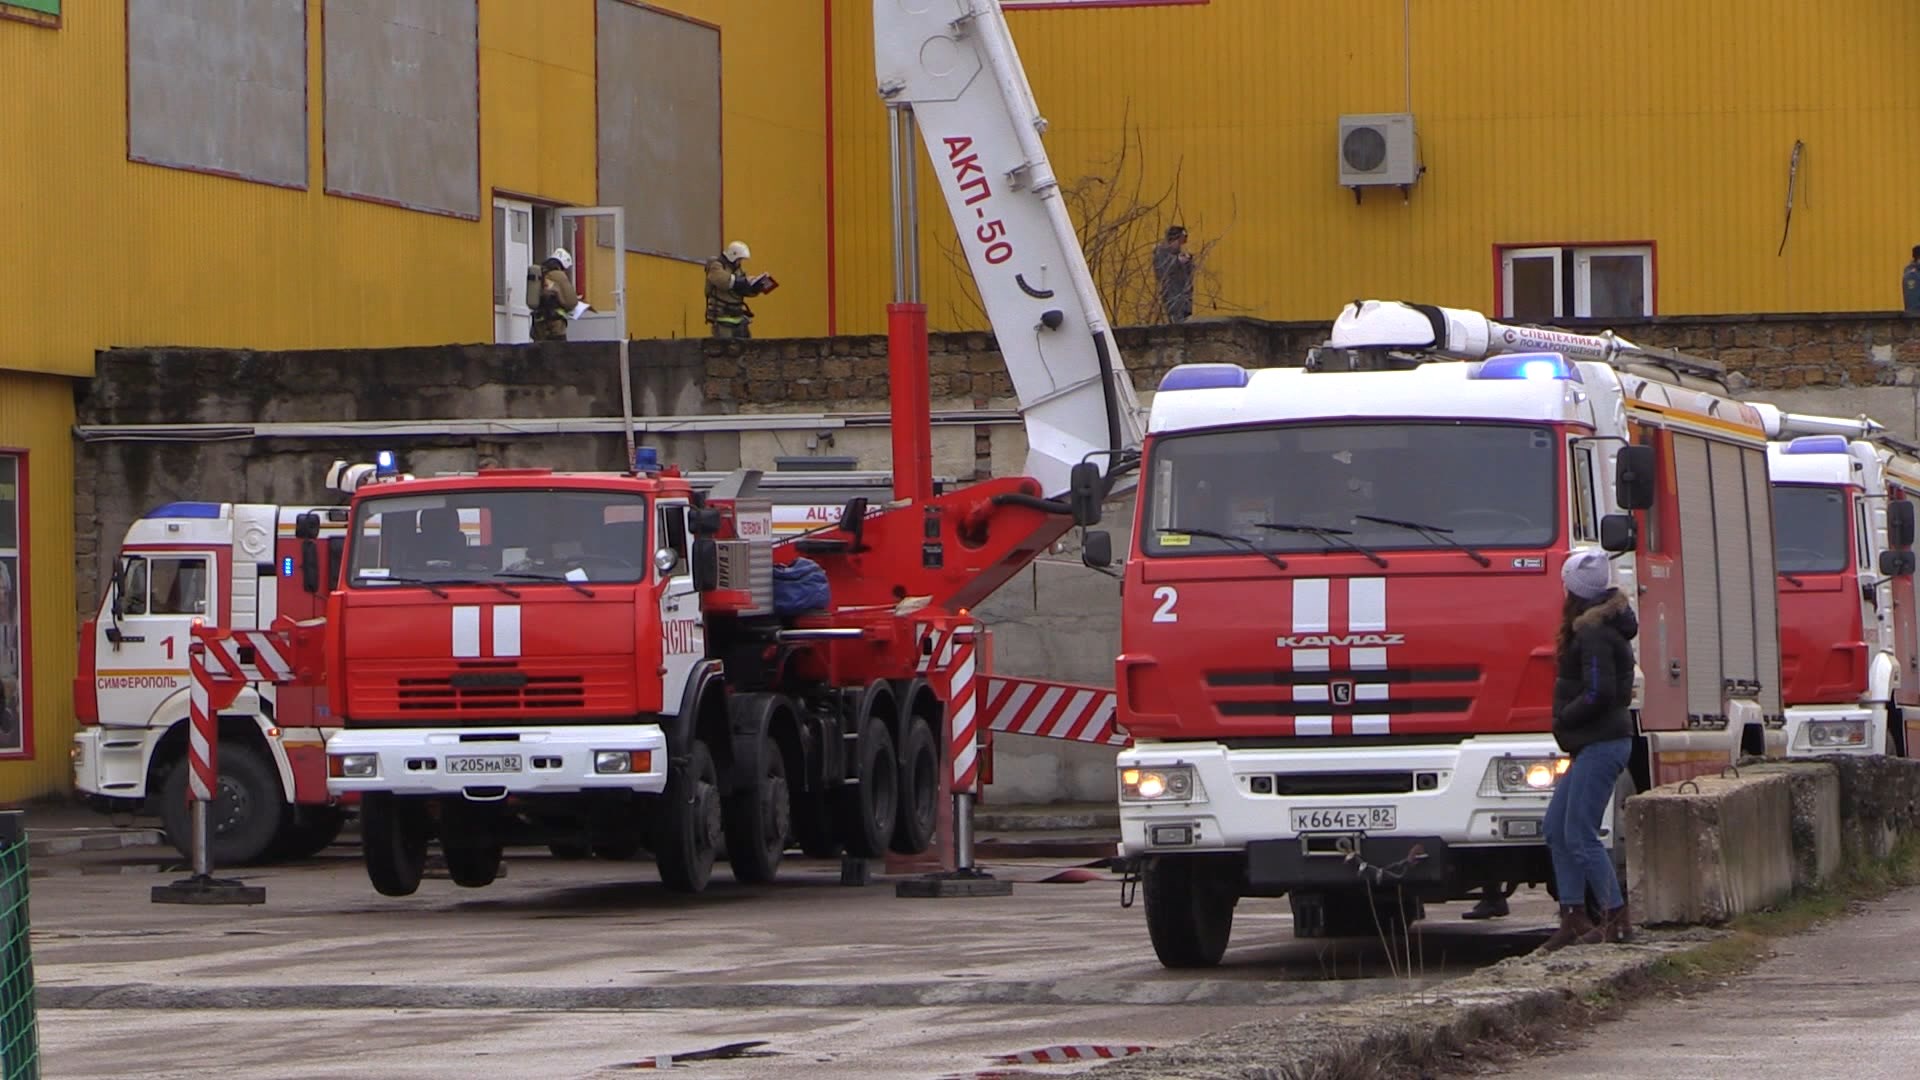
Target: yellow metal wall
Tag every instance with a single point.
(36, 414)
(1639, 120)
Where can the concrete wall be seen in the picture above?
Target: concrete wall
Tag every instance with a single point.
(1056, 620)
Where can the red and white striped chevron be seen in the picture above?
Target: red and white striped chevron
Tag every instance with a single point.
(202, 735)
(1052, 710)
(1060, 1055)
(250, 656)
(1343, 687)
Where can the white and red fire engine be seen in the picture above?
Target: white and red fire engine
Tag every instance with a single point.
(1843, 499)
(607, 661)
(235, 565)
(1339, 610)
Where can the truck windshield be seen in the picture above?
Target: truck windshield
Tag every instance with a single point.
(1479, 485)
(517, 537)
(1809, 529)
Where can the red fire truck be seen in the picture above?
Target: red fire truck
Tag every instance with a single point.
(608, 659)
(1339, 609)
(1843, 499)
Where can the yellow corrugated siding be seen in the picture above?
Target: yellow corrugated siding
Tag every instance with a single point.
(149, 255)
(1564, 123)
(36, 414)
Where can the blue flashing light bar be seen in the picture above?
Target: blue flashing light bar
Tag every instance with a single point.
(1205, 377)
(385, 464)
(646, 460)
(286, 566)
(1529, 366)
(186, 510)
(1818, 444)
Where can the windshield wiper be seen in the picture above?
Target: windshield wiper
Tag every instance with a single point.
(527, 575)
(515, 593)
(431, 587)
(1431, 532)
(1215, 534)
(1338, 536)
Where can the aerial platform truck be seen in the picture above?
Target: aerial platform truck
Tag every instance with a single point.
(1339, 610)
(611, 662)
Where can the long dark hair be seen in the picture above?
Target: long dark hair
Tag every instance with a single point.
(1569, 611)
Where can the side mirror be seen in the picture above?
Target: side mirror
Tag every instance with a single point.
(665, 560)
(1633, 479)
(307, 526)
(116, 603)
(704, 521)
(1895, 564)
(309, 564)
(853, 520)
(1900, 524)
(1096, 549)
(1618, 533)
(706, 564)
(1084, 492)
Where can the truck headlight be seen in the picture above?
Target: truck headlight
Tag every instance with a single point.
(354, 766)
(1837, 732)
(622, 761)
(1160, 783)
(1524, 776)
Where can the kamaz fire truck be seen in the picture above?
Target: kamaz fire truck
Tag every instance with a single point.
(608, 659)
(1339, 610)
(1843, 498)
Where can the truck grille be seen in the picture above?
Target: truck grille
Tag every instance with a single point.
(429, 691)
(1397, 691)
(491, 689)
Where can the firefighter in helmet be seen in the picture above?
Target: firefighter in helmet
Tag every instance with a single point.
(728, 287)
(550, 295)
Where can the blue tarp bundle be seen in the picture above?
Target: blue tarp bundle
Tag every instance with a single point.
(800, 588)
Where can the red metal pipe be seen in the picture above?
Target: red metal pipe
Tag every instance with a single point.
(912, 400)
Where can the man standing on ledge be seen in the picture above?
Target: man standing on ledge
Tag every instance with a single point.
(1910, 284)
(1173, 275)
(728, 287)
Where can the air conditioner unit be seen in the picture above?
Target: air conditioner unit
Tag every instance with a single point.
(1378, 150)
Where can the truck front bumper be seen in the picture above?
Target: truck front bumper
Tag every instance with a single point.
(487, 764)
(111, 762)
(1431, 811)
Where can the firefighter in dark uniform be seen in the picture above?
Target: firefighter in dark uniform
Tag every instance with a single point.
(550, 295)
(728, 287)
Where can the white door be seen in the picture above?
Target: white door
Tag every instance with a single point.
(513, 242)
(594, 234)
(151, 612)
(680, 617)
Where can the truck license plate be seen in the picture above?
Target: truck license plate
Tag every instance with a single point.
(491, 763)
(1344, 819)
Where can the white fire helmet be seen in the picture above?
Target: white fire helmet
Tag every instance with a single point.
(564, 258)
(737, 251)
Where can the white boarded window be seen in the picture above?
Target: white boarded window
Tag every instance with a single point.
(659, 137)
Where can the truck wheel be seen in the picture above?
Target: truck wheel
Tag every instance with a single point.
(690, 824)
(1189, 910)
(473, 867)
(308, 831)
(919, 813)
(393, 839)
(246, 814)
(865, 811)
(756, 821)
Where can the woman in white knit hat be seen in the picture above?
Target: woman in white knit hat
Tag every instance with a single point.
(1593, 722)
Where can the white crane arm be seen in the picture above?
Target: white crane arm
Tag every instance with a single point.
(953, 62)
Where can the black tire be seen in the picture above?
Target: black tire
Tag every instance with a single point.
(567, 849)
(919, 791)
(756, 820)
(864, 812)
(393, 840)
(247, 814)
(1190, 905)
(689, 823)
(473, 867)
(308, 831)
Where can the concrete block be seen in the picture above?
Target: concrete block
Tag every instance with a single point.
(1817, 835)
(1879, 799)
(1705, 851)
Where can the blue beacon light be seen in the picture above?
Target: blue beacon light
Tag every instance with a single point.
(646, 460)
(385, 464)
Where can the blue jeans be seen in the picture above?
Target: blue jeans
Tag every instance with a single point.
(1580, 799)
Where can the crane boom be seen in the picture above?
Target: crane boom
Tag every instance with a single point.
(1392, 325)
(954, 64)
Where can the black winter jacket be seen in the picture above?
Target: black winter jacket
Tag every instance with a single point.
(1593, 684)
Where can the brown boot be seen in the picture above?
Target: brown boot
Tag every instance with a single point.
(1575, 929)
(1619, 925)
